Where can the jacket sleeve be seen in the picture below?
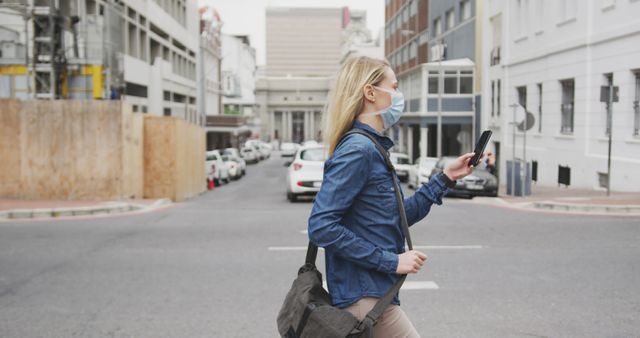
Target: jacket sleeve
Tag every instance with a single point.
(419, 205)
(345, 175)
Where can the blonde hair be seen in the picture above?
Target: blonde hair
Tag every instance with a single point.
(346, 99)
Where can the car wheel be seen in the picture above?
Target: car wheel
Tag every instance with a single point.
(292, 197)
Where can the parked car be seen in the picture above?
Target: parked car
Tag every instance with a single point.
(401, 163)
(479, 183)
(288, 149)
(304, 175)
(265, 149)
(215, 167)
(309, 143)
(232, 166)
(256, 145)
(420, 171)
(249, 154)
(235, 156)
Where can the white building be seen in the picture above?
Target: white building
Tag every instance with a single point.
(238, 75)
(357, 39)
(552, 57)
(210, 63)
(303, 52)
(142, 51)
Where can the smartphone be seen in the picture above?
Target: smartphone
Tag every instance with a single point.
(480, 145)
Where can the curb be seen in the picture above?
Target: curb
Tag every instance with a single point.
(617, 209)
(103, 209)
(632, 210)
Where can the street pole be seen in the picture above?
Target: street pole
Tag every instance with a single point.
(609, 122)
(513, 161)
(523, 171)
(440, 89)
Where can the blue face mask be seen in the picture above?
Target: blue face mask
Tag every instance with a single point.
(391, 115)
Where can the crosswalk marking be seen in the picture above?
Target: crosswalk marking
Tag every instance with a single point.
(416, 247)
(408, 285)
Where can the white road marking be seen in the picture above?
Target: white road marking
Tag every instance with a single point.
(447, 247)
(416, 247)
(304, 232)
(289, 248)
(408, 285)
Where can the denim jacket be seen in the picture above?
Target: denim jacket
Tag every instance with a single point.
(355, 218)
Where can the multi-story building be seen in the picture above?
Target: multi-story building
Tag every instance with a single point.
(236, 121)
(144, 52)
(550, 61)
(357, 39)
(303, 53)
(431, 45)
(303, 41)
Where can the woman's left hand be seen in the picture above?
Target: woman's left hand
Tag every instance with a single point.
(460, 167)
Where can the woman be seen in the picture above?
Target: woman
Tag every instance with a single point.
(355, 216)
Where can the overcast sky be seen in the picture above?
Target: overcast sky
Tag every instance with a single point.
(246, 17)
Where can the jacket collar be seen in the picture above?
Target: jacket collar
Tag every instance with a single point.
(385, 141)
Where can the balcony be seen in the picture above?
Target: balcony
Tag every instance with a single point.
(225, 121)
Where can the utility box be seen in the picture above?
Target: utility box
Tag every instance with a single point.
(518, 183)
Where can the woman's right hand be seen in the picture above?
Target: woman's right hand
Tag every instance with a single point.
(410, 262)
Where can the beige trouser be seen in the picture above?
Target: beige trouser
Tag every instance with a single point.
(393, 322)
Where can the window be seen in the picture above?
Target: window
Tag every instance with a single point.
(608, 81)
(450, 82)
(167, 111)
(466, 82)
(636, 107)
(493, 96)
(437, 27)
(522, 96)
(465, 10)
(413, 50)
(451, 19)
(539, 20)
(498, 99)
(539, 107)
(405, 14)
(413, 8)
(567, 106)
(566, 10)
(433, 82)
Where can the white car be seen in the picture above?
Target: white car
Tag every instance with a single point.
(288, 149)
(257, 146)
(232, 166)
(310, 143)
(235, 156)
(249, 154)
(215, 168)
(304, 175)
(265, 149)
(420, 172)
(401, 163)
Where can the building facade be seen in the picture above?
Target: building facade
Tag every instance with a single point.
(550, 59)
(303, 54)
(303, 41)
(357, 39)
(432, 47)
(144, 52)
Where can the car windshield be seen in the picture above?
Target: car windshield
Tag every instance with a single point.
(226, 158)
(400, 160)
(315, 154)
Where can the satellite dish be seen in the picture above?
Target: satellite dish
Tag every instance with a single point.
(527, 120)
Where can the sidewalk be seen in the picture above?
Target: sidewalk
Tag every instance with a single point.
(567, 199)
(12, 209)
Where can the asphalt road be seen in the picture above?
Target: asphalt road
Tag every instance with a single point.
(219, 266)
